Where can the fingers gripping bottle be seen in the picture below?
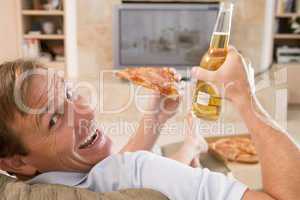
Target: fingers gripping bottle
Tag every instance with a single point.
(206, 98)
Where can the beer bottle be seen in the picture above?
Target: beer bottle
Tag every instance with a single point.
(206, 98)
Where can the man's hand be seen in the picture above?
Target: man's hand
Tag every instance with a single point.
(234, 75)
(163, 107)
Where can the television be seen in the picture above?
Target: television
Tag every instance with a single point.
(173, 35)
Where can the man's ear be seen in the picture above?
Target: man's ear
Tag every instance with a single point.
(15, 165)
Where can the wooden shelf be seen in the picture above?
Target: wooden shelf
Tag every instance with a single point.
(293, 64)
(55, 64)
(44, 37)
(287, 36)
(287, 15)
(43, 12)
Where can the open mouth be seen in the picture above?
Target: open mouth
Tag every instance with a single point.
(91, 139)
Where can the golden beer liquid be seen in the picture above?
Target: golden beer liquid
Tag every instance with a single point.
(206, 99)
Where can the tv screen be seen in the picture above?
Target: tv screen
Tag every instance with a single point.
(175, 35)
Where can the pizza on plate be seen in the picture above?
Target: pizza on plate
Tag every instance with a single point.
(162, 80)
(237, 149)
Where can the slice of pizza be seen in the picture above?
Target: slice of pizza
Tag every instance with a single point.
(162, 80)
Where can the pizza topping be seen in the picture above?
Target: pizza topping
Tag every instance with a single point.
(235, 149)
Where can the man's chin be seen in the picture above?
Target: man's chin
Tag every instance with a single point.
(97, 152)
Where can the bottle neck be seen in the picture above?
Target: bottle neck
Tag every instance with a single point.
(220, 37)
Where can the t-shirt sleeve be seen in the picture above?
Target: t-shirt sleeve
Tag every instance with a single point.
(178, 181)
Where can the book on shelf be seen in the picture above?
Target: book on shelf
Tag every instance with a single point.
(287, 6)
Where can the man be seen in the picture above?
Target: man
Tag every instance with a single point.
(61, 156)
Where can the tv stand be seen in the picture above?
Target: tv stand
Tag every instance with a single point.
(171, 1)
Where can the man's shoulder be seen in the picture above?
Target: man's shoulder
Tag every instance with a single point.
(137, 155)
(116, 171)
(107, 168)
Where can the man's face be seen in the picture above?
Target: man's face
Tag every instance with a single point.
(62, 137)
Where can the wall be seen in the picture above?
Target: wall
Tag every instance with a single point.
(8, 34)
(95, 33)
(248, 30)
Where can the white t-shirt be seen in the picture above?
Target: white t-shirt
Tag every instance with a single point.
(146, 170)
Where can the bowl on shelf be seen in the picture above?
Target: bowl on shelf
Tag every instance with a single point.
(52, 5)
(48, 27)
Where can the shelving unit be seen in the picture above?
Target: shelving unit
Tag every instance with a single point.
(283, 36)
(60, 42)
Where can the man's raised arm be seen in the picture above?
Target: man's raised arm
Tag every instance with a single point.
(278, 154)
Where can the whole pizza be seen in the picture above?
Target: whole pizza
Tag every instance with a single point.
(236, 149)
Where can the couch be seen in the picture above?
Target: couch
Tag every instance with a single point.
(11, 189)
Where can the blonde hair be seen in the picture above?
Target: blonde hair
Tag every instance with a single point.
(10, 143)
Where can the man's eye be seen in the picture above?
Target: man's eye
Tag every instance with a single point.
(53, 121)
(69, 94)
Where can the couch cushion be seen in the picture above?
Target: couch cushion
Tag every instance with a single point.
(10, 189)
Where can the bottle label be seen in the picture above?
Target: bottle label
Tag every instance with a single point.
(203, 98)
